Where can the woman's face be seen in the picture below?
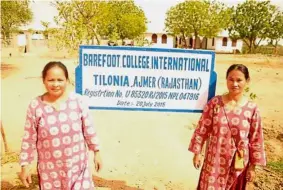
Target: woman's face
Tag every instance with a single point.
(236, 82)
(55, 81)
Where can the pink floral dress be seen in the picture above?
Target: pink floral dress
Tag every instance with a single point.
(61, 138)
(218, 172)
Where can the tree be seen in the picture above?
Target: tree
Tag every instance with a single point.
(175, 22)
(83, 21)
(250, 21)
(276, 29)
(13, 15)
(124, 20)
(79, 22)
(46, 28)
(197, 18)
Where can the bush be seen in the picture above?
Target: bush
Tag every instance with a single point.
(280, 50)
(264, 49)
(267, 50)
(270, 50)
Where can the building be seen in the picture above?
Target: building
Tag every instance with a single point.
(154, 38)
(221, 43)
(160, 40)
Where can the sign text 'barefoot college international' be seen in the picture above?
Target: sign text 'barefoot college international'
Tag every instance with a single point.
(148, 79)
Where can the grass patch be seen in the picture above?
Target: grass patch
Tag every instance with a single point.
(276, 166)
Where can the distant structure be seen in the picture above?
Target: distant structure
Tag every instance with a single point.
(154, 37)
(221, 43)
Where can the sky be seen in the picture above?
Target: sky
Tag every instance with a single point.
(155, 11)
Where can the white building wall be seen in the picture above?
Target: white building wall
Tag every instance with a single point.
(228, 48)
(261, 42)
(169, 44)
(22, 40)
(217, 43)
(37, 37)
(266, 41)
(239, 45)
(209, 44)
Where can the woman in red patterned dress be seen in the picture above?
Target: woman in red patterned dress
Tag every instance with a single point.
(60, 129)
(231, 125)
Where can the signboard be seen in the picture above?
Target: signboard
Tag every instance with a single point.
(146, 79)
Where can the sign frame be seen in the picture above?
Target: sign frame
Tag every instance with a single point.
(79, 75)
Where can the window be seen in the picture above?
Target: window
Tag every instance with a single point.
(224, 41)
(212, 41)
(154, 38)
(164, 39)
(234, 43)
(204, 43)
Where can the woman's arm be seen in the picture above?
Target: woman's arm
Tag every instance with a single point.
(30, 136)
(203, 129)
(88, 128)
(256, 141)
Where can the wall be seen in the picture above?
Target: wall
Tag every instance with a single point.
(209, 44)
(228, 48)
(169, 44)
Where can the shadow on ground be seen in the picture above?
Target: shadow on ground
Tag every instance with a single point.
(99, 182)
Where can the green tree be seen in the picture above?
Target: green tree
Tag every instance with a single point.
(79, 22)
(141, 41)
(197, 18)
(46, 28)
(276, 29)
(251, 22)
(123, 20)
(13, 15)
(175, 22)
(83, 21)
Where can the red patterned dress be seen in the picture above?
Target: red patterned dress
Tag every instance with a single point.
(245, 133)
(61, 138)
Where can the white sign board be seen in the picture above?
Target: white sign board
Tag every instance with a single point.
(146, 79)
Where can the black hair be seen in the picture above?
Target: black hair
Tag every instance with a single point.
(239, 67)
(52, 64)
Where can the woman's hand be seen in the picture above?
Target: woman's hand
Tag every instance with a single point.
(250, 173)
(25, 176)
(197, 161)
(97, 161)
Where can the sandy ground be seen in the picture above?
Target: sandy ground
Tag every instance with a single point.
(139, 149)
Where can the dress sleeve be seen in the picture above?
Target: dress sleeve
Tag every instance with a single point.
(30, 135)
(256, 141)
(203, 129)
(88, 128)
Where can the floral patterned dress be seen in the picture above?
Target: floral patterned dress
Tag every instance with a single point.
(61, 138)
(244, 132)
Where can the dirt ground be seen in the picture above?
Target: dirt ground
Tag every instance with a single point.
(140, 150)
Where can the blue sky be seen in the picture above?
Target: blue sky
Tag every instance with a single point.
(155, 11)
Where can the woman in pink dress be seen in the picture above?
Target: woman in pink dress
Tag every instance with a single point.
(59, 127)
(231, 125)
